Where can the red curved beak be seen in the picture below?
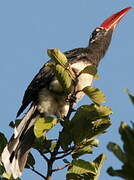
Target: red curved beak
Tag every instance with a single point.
(112, 21)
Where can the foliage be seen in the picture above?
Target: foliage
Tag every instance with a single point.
(125, 154)
(130, 96)
(95, 94)
(79, 129)
(81, 169)
(43, 125)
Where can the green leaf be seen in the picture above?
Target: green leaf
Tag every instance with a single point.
(30, 161)
(104, 110)
(65, 139)
(65, 135)
(115, 148)
(94, 94)
(64, 78)
(127, 135)
(127, 155)
(43, 125)
(61, 69)
(85, 170)
(57, 56)
(130, 96)
(80, 169)
(3, 142)
(90, 70)
(85, 149)
(98, 162)
(95, 142)
(53, 145)
(44, 145)
(89, 121)
(118, 173)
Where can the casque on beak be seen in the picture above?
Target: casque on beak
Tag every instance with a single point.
(112, 21)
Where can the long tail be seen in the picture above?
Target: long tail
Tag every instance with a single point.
(14, 155)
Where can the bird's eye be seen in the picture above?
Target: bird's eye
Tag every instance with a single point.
(95, 34)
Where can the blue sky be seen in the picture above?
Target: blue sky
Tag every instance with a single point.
(29, 28)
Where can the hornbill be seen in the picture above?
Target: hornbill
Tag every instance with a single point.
(44, 99)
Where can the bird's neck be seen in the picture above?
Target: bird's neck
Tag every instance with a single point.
(98, 48)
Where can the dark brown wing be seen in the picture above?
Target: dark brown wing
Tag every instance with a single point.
(40, 81)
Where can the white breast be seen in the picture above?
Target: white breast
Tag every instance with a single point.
(50, 103)
(84, 79)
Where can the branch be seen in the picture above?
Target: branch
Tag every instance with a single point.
(36, 172)
(64, 155)
(44, 157)
(51, 160)
(60, 168)
(72, 100)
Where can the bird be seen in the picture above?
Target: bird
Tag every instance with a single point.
(45, 98)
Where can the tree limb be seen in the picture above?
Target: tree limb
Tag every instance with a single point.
(36, 172)
(60, 168)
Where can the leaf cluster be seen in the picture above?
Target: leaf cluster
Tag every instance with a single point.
(125, 154)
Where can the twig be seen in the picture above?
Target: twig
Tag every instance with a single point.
(44, 157)
(72, 100)
(36, 172)
(70, 111)
(54, 153)
(60, 168)
(60, 152)
(51, 160)
(64, 155)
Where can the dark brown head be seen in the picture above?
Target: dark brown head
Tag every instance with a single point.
(101, 36)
